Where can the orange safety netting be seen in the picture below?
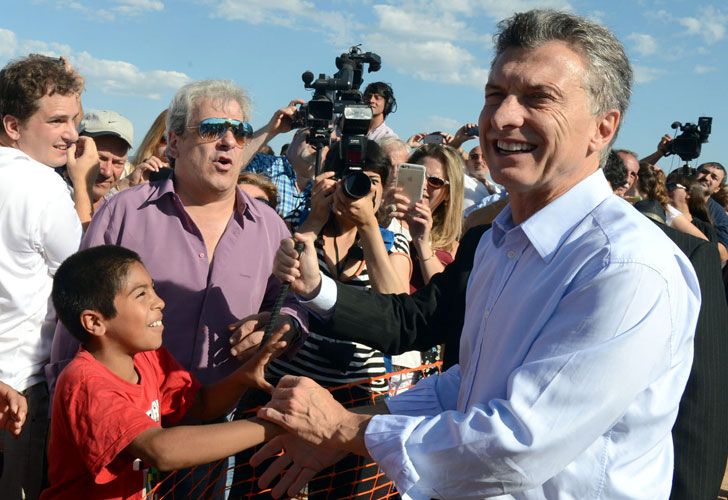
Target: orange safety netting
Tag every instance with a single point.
(352, 477)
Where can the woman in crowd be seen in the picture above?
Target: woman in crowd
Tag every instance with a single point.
(351, 250)
(690, 199)
(435, 222)
(259, 187)
(651, 185)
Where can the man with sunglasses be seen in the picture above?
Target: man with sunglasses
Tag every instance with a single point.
(208, 246)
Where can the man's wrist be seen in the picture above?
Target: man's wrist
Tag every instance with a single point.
(349, 435)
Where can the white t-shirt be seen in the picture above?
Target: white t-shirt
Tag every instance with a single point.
(670, 214)
(39, 228)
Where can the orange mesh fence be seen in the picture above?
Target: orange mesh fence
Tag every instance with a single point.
(352, 477)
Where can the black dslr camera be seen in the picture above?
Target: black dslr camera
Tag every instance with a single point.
(335, 100)
(687, 145)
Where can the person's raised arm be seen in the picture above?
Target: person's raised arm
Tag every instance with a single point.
(279, 123)
(388, 273)
(660, 152)
(83, 163)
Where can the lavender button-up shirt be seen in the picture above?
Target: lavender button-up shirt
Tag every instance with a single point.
(202, 295)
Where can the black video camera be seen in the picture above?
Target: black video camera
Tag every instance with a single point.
(687, 145)
(338, 99)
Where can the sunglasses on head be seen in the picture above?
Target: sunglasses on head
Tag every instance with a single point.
(213, 129)
(672, 186)
(436, 182)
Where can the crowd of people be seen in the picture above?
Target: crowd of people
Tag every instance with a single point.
(574, 292)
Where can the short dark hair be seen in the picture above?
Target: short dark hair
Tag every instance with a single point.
(23, 82)
(375, 160)
(384, 90)
(615, 170)
(717, 165)
(90, 279)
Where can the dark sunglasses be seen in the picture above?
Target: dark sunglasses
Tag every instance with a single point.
(672, 186)
(435, 182)
(213, 129)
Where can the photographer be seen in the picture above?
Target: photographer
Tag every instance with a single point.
(350, 250)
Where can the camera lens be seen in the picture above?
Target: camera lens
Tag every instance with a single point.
(356, 185)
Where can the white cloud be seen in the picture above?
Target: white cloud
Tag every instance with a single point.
(440, 123)
(430, 60)
(409, 23)
(644, 44)
(644, 74)
(499, 9)
(135, 7)
(710, 24)
(105, 75)
(298, 14)
(702, 70)
(8, 43)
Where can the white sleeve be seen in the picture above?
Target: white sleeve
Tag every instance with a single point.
(606, 342)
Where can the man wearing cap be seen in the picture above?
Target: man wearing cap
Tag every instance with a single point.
(113, 135)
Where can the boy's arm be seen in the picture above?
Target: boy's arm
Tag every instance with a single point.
(218, 399)
(188, 445)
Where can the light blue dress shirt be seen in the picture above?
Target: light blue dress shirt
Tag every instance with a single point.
(575, 350)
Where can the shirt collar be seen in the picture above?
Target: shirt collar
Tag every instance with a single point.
(242, 200)
(548, 228)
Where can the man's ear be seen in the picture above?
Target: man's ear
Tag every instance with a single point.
(605, 130)
(93, 322)
(172, 139)
(11, 126)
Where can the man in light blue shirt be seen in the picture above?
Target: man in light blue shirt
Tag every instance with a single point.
(579, 314)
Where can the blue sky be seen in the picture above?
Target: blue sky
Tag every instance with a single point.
(136, 53)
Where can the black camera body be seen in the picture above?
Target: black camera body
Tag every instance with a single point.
(688, 144)
(338, 98)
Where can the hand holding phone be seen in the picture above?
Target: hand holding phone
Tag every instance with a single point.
(411, 178)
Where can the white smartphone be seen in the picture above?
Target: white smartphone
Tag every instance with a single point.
(411, 178)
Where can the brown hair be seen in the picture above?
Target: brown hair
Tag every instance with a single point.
(263, 183)
(150, 141)
(23, 82)
(651, 183)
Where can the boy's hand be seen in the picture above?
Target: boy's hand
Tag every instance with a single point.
(13, 409)
(252, 373)
(248, 333)
(300, 463)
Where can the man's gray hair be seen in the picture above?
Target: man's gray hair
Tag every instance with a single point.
(608, 78)
(219, 91)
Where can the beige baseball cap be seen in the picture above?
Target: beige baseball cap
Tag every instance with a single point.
(104, 122)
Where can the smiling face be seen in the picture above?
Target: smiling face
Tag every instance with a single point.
(137, 325)
(537, 131)
(207, 169)
(46, 135)
(711, 177)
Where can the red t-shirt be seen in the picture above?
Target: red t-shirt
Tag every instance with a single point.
(96, 415)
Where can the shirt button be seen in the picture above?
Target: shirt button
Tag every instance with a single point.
(486, 313)
(511, 254)
(201, 255)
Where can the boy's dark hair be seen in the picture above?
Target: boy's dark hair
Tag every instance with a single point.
(25, 81)
(90, 279)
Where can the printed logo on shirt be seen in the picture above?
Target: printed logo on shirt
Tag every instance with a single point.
(153, 412)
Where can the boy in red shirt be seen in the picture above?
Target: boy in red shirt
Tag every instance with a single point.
(115, 401)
